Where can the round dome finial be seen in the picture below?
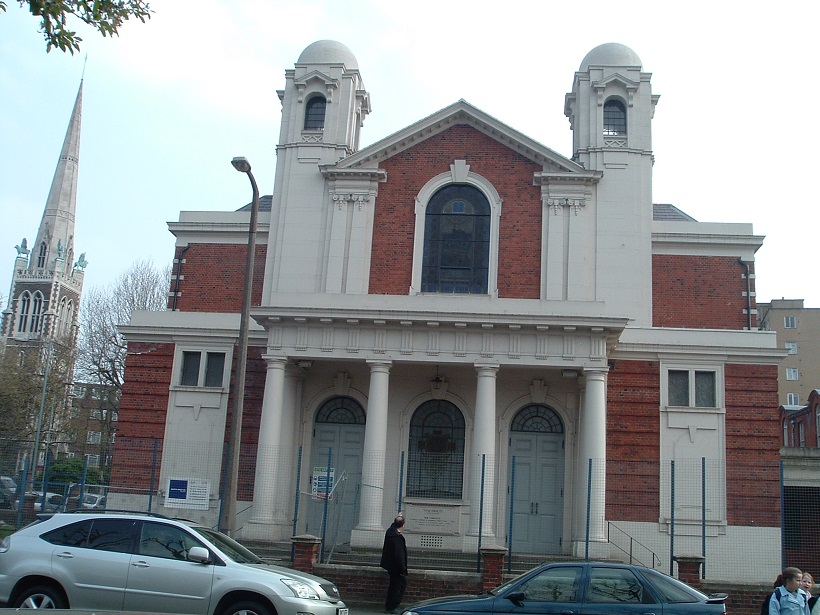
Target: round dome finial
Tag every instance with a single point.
(328, 52)
(610, 54)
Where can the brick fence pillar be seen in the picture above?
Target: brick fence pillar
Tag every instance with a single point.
(493, 569)
(689, 568)
(305, 552)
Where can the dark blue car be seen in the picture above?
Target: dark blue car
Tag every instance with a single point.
(584, 588)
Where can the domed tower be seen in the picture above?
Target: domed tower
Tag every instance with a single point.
(323, 106)
(610, 111)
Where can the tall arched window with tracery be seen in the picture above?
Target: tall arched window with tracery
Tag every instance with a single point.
(456, 241)
(435, 459)
(37, 312)
(23, 312)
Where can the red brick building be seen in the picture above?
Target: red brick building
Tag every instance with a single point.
(512, 346)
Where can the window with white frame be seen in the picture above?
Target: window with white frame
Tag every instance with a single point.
(792, 373)
(203, 369)
(790, 322)
(692, 388)
(792, 399)
(93, 461)
(93, 437)
(791, 347)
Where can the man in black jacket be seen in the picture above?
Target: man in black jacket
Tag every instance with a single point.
(394, 560)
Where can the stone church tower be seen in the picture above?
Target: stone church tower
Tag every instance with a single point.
(47, 281)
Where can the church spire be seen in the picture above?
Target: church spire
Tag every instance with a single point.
(54, 247)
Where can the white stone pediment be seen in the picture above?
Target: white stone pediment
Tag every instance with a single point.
(464, 114)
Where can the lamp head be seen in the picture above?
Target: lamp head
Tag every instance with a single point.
(241, 164)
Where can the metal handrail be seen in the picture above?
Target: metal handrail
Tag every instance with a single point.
(632, 543)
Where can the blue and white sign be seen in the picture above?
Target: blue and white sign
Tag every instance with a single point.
(190, 493)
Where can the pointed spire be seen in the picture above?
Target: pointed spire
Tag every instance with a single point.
(57, 226)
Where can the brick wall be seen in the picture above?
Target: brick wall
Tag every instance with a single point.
(752, 445)
(144, 405)
(633, 424)
(141, 417)
(213, 277)
(512, 176)
(366, 584)
(699, 292)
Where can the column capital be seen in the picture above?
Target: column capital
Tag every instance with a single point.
(275, 361)
(380, 366)
(595, 373)
(484, 369)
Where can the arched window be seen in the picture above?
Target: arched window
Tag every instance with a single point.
(341, 410)
(22, 318)
(456, 241)
(37, 312)
(435, 460)
(41, 256)
(315, 113)
(537, 418)
(614, 118)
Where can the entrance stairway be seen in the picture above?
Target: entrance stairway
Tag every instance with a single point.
(279, 553)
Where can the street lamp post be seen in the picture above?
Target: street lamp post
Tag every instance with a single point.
(229, 492)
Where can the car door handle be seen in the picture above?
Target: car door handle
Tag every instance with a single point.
(567, 612)
(141, 564)
(66, 555)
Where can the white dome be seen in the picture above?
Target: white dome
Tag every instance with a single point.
(328, 52)
(610, 54)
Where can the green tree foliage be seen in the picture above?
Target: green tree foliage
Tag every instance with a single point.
(106, 16)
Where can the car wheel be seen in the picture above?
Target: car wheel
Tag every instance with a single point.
(41, 597)
(246, 608)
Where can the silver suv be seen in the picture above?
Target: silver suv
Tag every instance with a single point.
(148, 563)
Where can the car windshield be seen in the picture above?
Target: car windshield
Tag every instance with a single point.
(229, 546)
(672, 590)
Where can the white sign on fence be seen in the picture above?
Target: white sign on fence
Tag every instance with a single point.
(191, 493)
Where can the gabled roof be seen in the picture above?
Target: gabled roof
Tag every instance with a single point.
(460, 113)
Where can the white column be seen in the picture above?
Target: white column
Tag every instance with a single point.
(591, 445)
(266, 488)
(483, 447)
(375, 443)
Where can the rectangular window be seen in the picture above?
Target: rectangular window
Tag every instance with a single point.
(687, 385)
(792, 399)
(791, 347)
(93, 437)
(791, 373)
(190, 369)
(214, 367)
(790, 322)
(193, 374)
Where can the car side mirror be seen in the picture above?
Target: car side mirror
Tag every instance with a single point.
(517, 598)
(200, 555)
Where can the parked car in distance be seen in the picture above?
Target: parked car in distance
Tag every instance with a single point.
(8, 492)
(53, 503)
(93, 501)
(114, 561)
(581, 588)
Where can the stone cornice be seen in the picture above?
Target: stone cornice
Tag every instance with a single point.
(366, 174)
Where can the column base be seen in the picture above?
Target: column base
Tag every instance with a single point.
(266, 529)
(597, 549)
(370, 537)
